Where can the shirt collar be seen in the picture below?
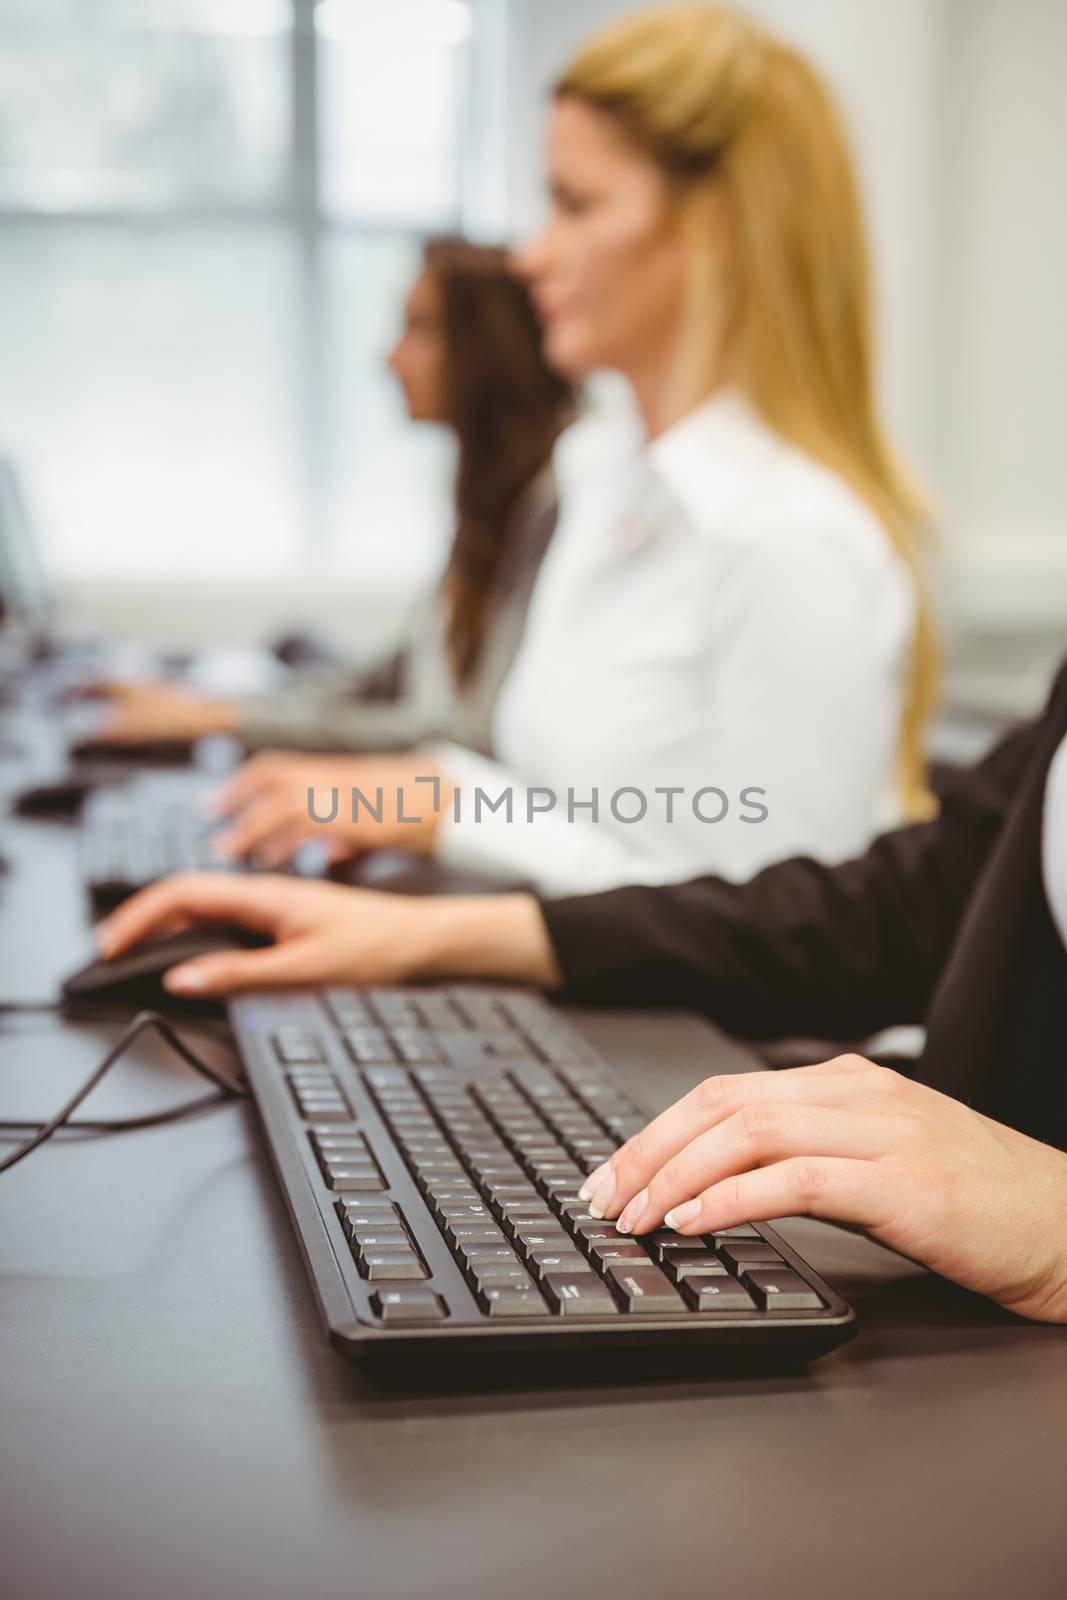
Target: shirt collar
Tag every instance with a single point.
(712, 455)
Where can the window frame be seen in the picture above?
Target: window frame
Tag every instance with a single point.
(300, 202)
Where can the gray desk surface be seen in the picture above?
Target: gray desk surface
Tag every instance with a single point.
(174, 1424)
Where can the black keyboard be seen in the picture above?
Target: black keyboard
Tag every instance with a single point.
(132, 834)
(431, 1144)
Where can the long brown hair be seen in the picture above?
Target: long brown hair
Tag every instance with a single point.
(725, 108)
(507, 408)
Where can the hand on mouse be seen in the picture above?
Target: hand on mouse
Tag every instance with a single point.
(854, 1142)
(276, 801)
(326, 933)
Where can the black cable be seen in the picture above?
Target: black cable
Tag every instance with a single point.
(144, 1020)
(197, 1020)
(88, 1126)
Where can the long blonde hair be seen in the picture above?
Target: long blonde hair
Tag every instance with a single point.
(726, 109)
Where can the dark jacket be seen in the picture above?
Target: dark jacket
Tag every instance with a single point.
(943, 923)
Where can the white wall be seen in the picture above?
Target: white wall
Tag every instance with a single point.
(1000, 357)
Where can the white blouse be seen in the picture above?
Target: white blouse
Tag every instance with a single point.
(716, 611)
(1054, 840)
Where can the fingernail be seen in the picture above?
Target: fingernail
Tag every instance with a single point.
(680, 1215)
(633, 1213)
(183, 980)
(588, 1189)
(602, 1195)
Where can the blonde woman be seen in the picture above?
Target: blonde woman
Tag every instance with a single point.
(726, 659)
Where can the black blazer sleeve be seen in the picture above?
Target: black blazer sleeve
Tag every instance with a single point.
(832, 952)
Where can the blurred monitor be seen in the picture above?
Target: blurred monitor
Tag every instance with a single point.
(26, 599)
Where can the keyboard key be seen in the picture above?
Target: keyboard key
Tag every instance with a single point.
(558, 1191)
(511, 1191)
(390, 1265)
(457, 1211)
(486, 1255)
(545, 1170)
(462, 1234)
(691, 1264)
(666, 1239)
(684, 1273)
(344, 1142)
(379, 1239)
(538, 1235)
(528, 1219)
(740, 1256)
(644, 1291)
(387, 1078)
(408, 1305)
(499, 1277)
(355, 1180)
(292, 1045)
(716, 1294)
(782, 1290)
(604, 1253)
(355, 1222)
(372, 1206)
(576, 1295)
(535, 1250)
(507, 1302)
(567, 1263)
(324, 1112)
(366, 1045)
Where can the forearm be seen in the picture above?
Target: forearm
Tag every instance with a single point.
(491, 936)
(328, 722)
(834, 952)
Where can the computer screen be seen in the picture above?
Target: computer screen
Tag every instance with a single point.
(26, 597)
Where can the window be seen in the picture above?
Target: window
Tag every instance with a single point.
(138, 103)
(389, 108)
(210, 210)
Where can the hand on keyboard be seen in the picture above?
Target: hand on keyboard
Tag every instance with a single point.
(279, 800)
(145, 712)
(854, 1142)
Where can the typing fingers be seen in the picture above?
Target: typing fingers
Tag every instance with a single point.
(833, 1187)
(256, 777)
(264, 821)
(627, 1172)
(758, 1136)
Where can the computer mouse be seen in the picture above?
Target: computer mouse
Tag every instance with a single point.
(136, 978)
(59, 801)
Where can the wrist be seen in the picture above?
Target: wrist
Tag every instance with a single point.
(1042, 1297)
(221, 716)
(494, 936)
(428, 799)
